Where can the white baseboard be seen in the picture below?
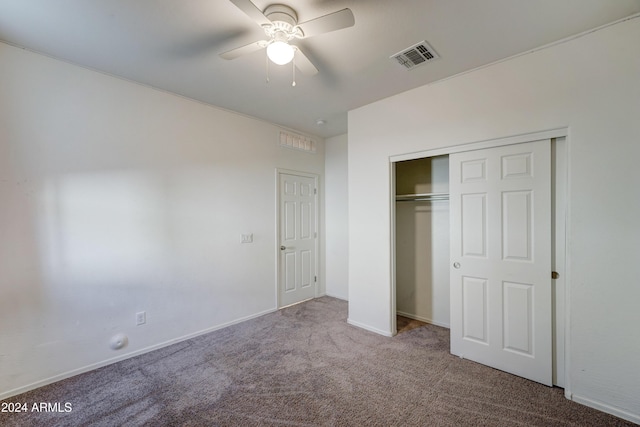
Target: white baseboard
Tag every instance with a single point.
(600, 406)
(336, 296)
(369, 328)
(93, 366)
(423, 319)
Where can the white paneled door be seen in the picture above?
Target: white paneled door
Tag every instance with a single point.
(298, 236)
(500, 201)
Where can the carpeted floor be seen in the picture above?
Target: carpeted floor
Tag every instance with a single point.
(404, 324)
(305, 366)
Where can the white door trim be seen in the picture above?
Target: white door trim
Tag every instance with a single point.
(316, 178)
(479, 145)
(559, 182)
(560, 258)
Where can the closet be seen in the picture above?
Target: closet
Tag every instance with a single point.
(423, 268)
(422, 239)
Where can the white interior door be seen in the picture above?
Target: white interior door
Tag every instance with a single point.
(500, 204)
(298, 235)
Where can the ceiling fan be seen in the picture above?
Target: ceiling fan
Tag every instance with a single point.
(280, 24)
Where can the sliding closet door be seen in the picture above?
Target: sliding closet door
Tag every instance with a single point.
(500, 276)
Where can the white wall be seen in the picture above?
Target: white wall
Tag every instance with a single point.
(590, 84)
(116, 198)
(336, 217)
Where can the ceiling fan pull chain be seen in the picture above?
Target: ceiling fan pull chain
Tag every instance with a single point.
(293, 83)
(267, 59)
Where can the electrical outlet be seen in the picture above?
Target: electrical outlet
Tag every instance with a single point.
(141, 318)
(246, 238)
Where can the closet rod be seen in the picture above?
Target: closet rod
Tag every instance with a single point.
(424, 197)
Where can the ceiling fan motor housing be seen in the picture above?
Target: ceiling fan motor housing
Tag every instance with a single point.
(280, 12)
(283, 22)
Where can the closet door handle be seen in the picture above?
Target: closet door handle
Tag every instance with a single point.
(456, 265)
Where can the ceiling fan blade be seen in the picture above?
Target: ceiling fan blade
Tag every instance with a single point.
(252, 11)
(327, 23)
(243, 50)
(303, 64)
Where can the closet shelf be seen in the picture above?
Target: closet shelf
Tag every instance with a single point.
(423, 197)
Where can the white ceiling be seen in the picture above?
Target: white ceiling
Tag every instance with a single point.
(174, 45)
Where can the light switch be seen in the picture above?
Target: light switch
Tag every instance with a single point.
(247, 238)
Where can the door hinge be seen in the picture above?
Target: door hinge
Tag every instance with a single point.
(315, 191)
(555, 274)
(315, 278)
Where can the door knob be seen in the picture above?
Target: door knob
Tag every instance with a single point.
(456, 265)
(282, 248)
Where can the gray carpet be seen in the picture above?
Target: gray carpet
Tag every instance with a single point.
(305, 366)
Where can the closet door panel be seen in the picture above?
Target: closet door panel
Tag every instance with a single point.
(500, 274)
(474, 224)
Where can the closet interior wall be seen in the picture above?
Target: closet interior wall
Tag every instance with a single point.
(422, 240)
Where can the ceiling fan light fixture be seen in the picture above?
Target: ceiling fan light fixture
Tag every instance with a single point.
(280, 52)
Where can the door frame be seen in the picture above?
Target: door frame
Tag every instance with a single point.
(560, 231)
(316, 180)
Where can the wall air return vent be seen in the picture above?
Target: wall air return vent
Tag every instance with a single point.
(297, 142)
(418, 54)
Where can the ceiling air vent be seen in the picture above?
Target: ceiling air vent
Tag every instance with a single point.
(418, 54)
